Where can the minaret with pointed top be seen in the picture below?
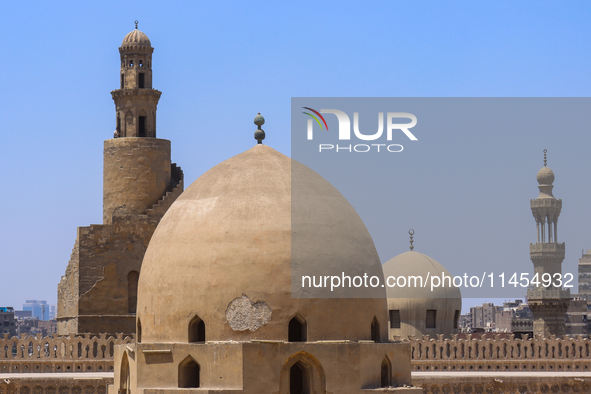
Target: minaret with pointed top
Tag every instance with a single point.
(548, 304)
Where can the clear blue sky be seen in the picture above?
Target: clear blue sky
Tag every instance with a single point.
(219, 63)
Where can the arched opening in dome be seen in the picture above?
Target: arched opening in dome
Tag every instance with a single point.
(139, 331)
(302, 373)
(297, 330)
(132, 279)
(189, 371)
(124, 378)
(299, 379)
(386, 373)
(375, 330)
(456, 318)
(196, 330)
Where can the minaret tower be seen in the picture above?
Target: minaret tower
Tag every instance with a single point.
(136, 100)
(98, 292)
(137, 165)
(548, 303)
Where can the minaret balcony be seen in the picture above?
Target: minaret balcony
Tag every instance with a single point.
(137, 92)
(547, 250)
(545, 203)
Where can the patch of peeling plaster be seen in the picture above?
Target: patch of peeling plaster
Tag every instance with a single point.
(242, 314)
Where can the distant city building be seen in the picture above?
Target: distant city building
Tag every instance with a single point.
(52, 312)
(484, 316)
(513, 316)
(7, 321)
(576, 317)
(22, 314)
(39, 308)
(28, 325)
(47, 327)
(585, 274)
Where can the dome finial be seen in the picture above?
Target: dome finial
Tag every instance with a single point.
(136, 24)
(411, 232)
(259, 134)
(545, 150)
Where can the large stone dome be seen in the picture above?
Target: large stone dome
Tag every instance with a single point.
(223, 252)
(412, 302)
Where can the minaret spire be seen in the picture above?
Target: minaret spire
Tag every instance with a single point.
(548, 303)
(545, 150)
(136, 100)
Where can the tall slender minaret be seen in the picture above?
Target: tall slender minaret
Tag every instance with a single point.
(98, 293)
(548, 303)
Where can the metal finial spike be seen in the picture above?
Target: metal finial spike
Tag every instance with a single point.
(545, 150)
(136, 24)
(411, 232)
(259, 134)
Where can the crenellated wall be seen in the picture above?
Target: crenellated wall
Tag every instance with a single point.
(479, 353)
(28, 354)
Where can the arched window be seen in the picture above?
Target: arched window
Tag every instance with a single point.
(375, 330)
(196, 330)
(132, 279)
(189, 372)
(386, 373)
(297, 329)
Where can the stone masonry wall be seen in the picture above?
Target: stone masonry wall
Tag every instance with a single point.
(93, 294)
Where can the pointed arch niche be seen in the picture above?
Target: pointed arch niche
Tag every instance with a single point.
(375, 330)
(302, 374)
(297, 330)
(189, 373)
(386, 373)
(196, 330)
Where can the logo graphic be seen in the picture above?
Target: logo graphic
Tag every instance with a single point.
(315, 118)
(345, 129)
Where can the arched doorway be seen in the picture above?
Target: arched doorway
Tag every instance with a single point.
(302, 374)
(189, 373)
